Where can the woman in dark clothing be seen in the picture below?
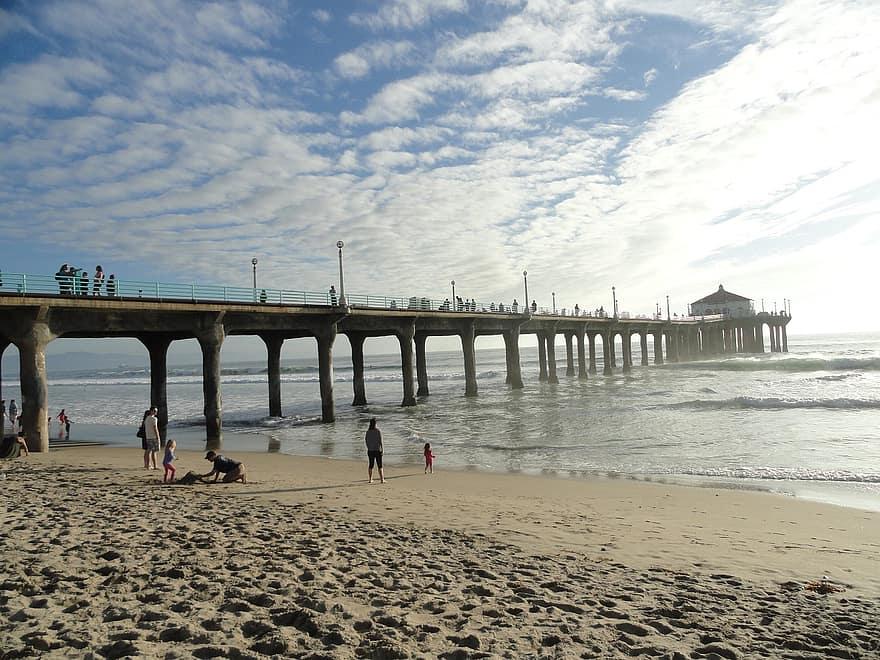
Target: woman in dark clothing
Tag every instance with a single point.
(373, 440)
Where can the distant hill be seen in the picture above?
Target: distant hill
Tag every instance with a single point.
(78, 361)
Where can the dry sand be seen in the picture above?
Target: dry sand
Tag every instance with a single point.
(308, 560)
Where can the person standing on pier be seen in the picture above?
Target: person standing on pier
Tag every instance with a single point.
(534, 307)
(333, 299)
(111, 285)
(97, 281)
(373, 440)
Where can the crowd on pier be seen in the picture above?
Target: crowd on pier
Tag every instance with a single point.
(73, 281)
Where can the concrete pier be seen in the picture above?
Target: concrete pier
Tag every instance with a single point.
(31, 322)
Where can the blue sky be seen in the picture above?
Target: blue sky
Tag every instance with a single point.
(662, 147)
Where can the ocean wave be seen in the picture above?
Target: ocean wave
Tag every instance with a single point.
(782, 364)
(782, 474)
(774, 403)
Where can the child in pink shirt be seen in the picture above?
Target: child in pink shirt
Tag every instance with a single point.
(429, 459)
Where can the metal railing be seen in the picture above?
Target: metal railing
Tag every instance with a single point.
(79, 286)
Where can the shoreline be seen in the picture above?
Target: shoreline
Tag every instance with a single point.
(862, 496)
(308, 560)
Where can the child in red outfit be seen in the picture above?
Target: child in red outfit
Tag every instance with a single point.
(429, 459)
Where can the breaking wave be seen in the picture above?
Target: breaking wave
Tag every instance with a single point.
(783, 364)
(774, 403)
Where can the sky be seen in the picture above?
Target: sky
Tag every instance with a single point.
(660, 147)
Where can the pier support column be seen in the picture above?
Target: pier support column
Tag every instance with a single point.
(607, 352)
(421, 364)
(550, 338)
(273, 371)
(511, 351)
(157, 346)
(759, 333)
(325, 372)
(784, 339)
(356, 340)
(658, 348)
(671, 355)
(542, 357)
(211, 341)
(405, 337)
(34, 390)
(772, 330)
(591, 338)
(569, 353)
(470, 360)
(613, 353)
(643, 344)
(626, 345)
(582, 358)
(3, 344)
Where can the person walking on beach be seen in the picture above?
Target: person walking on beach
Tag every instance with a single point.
(168, 461)
(429, 459)
(230, 469)
(373, 440)
(151, 439)
(13, 412)
(63, 423)
(2, 418)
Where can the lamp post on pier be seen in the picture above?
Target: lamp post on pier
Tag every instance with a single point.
(526, 285)
(254, 264)
(614, 298)
(454, 301)
(668, 315)
(340, 245)
(553, 293)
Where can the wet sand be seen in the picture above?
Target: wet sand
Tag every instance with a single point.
(308, 560)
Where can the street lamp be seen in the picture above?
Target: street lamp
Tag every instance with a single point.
(340, 245)
(614, 298)
(553, 293)
(668, 315)
(526, 285)
(454, 302)
(254, 264)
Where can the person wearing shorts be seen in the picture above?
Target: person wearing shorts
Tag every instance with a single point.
(230, 469)
(373, 440)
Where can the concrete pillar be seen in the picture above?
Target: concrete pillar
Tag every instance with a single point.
(779, 339)
(591, 338)
(511, 350)
(784, 339)
(542, 357)
(421, 364)
(325, 372)
(582, 358)
(772, 337)
(760, 331)
(658, 347)
(626, 341)
(211, 341)
(607, 352)
(671, 355)
(356, 340)
(405, 337)
(613, 347)
(550, 339)
(643, 344)
(157, 346)
(569, 353)
(470, 360)
(273, 370)
(34, 390)
(3, 344)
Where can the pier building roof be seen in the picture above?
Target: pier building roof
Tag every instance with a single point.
(721, 296)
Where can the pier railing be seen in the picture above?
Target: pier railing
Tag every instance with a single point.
(77, 285)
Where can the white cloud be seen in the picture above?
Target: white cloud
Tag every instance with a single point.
(361, 61)
(49, 81)
(322, 15)
(408, 14)
(650, 76)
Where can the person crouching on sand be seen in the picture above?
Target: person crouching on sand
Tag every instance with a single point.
(429, 459)
(168, 461)
(231, 470)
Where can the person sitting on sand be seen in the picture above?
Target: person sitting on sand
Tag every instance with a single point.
(168, 461)
(22, 445)
(231, 470)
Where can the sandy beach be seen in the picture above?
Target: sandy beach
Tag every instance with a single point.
(308, 560)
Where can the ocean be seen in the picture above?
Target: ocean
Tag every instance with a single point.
(806, 423)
